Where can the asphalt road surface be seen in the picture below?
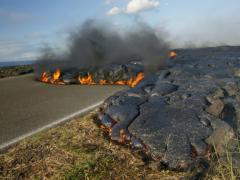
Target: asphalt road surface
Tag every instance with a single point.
(28, 106)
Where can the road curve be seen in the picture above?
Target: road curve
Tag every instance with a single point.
(28, 106)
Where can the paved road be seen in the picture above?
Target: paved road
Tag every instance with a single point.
(28, 106)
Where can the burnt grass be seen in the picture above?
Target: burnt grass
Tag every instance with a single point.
(77, 150)
(15, 71)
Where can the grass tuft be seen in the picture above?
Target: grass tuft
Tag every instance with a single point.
(226, 167)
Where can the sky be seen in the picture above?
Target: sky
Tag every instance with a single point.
(26, 26)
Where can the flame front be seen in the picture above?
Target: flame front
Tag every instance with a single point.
(102, 82)
(172, 54)
(86, 80)
(132, 82)
(55, 78)
(45, 77)
(56, 75)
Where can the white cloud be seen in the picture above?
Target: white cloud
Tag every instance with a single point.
(29, 55)
(108, 1)
(11, 50)
(114, 11)
(10, 47)
(14, 17)
(8, 51)
(134, 6)
(210, 31)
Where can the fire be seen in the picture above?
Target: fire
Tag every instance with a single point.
(121, 82)
(133, 82)
(55, 78)
(56, 75)
(88, 80)
(102, 82)
(172, 54)
(45, 77)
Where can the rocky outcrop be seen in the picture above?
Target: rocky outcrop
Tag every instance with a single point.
(182, 113)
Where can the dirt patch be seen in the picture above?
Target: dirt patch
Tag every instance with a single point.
(77, 150)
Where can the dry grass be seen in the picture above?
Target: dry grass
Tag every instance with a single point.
(225, 168)
(76, 150)
(15, 71)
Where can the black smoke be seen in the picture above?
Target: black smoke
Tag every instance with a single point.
(96, 44)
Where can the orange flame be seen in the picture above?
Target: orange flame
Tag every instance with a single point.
(120, 83)
(133, 82)
(172, 54)
(56, 75)
(45, 77)
(102, 82)
(53, 79)
(86, 80)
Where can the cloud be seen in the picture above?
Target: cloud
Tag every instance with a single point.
(7, 51)
(29, 55)
(108, 1)
(35, 35)
(11, 50)
(14, 17)
(9, 47)
(114, 11)
(210, 31)
(134, 6)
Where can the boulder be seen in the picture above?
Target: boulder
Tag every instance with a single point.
(221, 136)
(216, 107)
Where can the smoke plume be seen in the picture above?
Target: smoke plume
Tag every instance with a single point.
(96, 44)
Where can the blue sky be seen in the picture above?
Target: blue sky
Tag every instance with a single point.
(28, 25)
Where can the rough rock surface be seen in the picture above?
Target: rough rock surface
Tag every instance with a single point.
(177, 115)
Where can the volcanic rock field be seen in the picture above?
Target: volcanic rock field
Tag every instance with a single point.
(184, 111)
(178, 116)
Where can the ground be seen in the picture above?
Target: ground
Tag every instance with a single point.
(183, 113)
(77, 150)
(15, 71)
(186, 114)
